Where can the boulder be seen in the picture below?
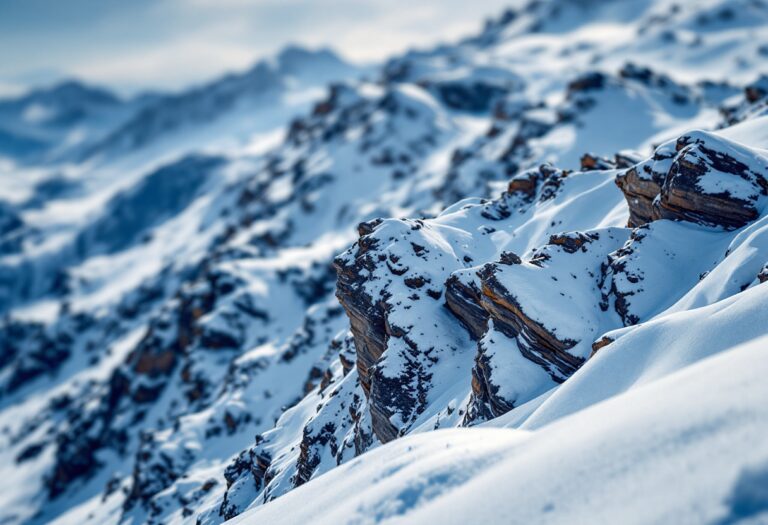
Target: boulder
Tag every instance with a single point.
(701, 178)
(714, 182)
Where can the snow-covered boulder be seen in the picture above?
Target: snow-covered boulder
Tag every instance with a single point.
(701, 178)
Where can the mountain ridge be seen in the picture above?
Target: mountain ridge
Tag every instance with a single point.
(504, 231)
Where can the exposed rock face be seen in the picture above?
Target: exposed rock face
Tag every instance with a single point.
(700, 178)
(540, 305)
(762, 276)
(713, 182)
(587, 82)
(377, 284)
(600, 344)
(641, 184)
(542, 345)
(396, 282)
(366, 316)
(463, 299)
(590, 161)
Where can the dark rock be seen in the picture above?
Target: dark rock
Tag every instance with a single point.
(509, 258)
(463, 300)
(641, 184)
(702, 160)
(701, 178)
(762, 276)
(555, 337)
(574, 241)
(471, 96)
(509, 318)
(599, 344)
(587, 82)
(757, 89)
(590, 162)
(366, 315)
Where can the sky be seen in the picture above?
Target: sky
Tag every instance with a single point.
(133, 45)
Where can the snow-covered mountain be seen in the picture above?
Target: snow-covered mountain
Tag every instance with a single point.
(46, 122)
(517, 278)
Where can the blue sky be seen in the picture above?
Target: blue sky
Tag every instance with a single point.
(136, 44)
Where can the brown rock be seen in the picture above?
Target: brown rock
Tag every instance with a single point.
(701, 178)
(542, 347)
(590, 162)
(463, 300)
(639, 190)
(600, 343)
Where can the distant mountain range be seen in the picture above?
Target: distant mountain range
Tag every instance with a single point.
(72, 121)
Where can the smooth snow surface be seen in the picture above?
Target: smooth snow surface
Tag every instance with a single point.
(685, 448)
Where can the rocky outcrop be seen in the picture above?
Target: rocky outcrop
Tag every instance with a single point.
(366, 315)
(600, 344)
(700, 178)
(543, 306)
(713, 182)
(396, 281)
(641, 184)
(590, 161)
(542, 345)
(370, 275)
(463, 299)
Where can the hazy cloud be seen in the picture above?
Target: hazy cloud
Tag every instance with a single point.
(170, 43)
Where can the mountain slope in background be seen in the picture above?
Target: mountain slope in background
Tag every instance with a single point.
(583, 269)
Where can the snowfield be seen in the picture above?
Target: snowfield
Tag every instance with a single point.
(646, 455)
(516, 278)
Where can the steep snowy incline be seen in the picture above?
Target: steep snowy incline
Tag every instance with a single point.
(537, 317)
(649, 455)
(568, 208)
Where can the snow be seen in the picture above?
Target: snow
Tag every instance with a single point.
(203, 225)
(686, 463)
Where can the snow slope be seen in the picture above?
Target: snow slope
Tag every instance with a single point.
(645, 455)
(288, 283)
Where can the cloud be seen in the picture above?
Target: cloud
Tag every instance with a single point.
(170, 66)
(169, 43)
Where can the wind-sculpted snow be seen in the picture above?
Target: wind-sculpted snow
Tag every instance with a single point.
(565, 209)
